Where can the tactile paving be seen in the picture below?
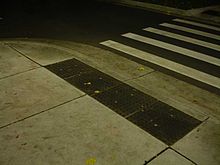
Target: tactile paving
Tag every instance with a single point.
(125, 100)
(165, 122)
(93, 82)
(69, 68)
(159, 119)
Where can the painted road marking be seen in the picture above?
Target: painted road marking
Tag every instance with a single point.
(174, 48)
(183, 38)
(173, 66)
(197, 24)
(189, 30)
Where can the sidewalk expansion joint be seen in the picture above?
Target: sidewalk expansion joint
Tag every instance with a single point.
(183, 156)
(35, 114)
(154, 157)
(21, 53)
(20, 73)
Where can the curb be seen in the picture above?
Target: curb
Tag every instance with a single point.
(56, 44)
(193, 14)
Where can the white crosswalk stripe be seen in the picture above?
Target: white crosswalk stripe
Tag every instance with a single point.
(174, 48)
(189, 30)
(197, 24)
(183, 38)
(190, 71)
(173, 66)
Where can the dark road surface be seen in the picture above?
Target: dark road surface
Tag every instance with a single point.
(87, 22)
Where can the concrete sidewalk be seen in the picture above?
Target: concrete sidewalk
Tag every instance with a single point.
(46, 120)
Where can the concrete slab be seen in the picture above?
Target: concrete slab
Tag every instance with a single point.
(170, 157)
(74, 133)
(31, 92)
(108, 62)
(203, 144)
(12, 62)
(183, 96)
(41, 53)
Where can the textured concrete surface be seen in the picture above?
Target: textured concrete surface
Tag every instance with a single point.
(170, 157)
(74, 132)
(202, 145)
(31, 92)
(12, 62)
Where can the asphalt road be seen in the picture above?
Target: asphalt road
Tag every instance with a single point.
(87, 22)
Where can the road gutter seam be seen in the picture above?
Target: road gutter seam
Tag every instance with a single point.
(43, 111)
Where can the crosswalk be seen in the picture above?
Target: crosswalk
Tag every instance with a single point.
(190, 30)
(197, 24)
(183, 38)
(178, 30)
